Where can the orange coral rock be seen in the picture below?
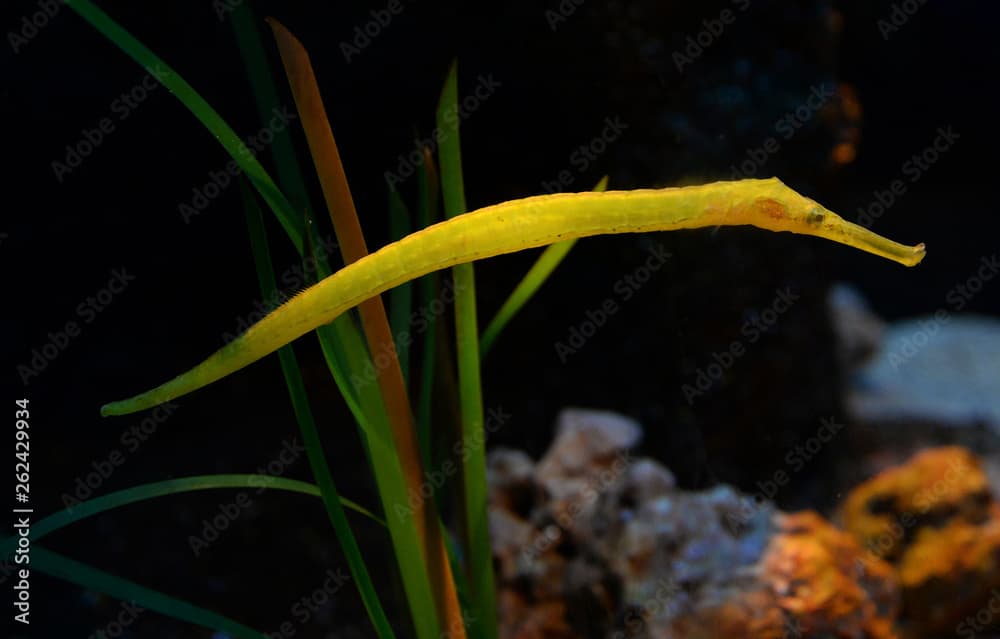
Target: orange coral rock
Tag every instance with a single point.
(935, 520)
(811, 583)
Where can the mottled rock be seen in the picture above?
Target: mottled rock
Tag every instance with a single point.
(510, 476)
(510, 535)
(696, 540)
(714, 567)
(807, 584)
(611, 545)
(588, 458)
(585, 439)
(935, 520)
(648, 480)
(542, 520)
(942, 369)
(935, 486)
(949, 575)
(931, 381)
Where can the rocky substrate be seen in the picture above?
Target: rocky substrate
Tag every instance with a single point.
(592, 541)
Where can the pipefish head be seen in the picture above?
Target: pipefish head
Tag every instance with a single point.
(772, 205)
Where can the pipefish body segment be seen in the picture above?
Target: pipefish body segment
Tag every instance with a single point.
(514, 226)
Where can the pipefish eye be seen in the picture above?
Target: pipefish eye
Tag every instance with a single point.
(815, 217)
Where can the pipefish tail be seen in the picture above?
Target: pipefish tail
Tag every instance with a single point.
(514, 226)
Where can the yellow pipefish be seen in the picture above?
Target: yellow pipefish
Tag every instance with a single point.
(514, 226)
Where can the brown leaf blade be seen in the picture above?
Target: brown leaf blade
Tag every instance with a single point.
(375, 323)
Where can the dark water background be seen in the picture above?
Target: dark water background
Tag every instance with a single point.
(65, 236)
